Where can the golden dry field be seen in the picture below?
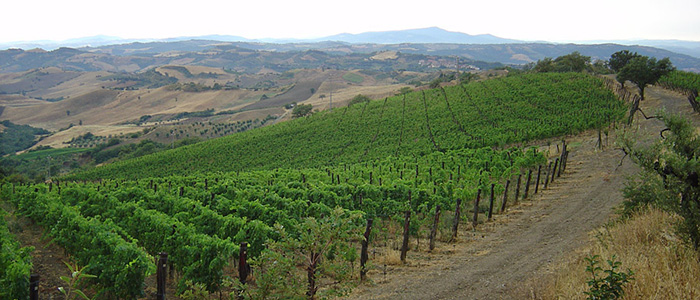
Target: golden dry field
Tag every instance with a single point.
(71, 104)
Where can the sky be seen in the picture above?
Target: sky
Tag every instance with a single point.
(534, 20)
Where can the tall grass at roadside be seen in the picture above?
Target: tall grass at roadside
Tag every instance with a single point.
(664, 267)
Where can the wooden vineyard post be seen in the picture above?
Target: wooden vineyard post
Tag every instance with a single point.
(433, 230)
(404, 245)
(505, 197)
(537, 182)
(475, 217)
(371, 181)
(161, 275)
(182, 191)
(455, 224)
(561, 163)
(546, 175)
(517, 189)
(243, 267)
(527, 183)
(491, 203)
(34, 286)
(554, 170)
(363, 255)
(564, 154)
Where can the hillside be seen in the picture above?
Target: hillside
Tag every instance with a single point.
(71, 103)
(249, 58)
(253, 57)
(493, 113)
(407, 154)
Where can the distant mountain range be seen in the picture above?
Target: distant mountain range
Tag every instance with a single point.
(426, 41)
(418, 36)
(430, 35)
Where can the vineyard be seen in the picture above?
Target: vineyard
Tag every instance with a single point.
(685, 83)
(426, 161)
(492, 113)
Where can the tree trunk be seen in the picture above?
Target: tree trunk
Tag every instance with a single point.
(311, 275)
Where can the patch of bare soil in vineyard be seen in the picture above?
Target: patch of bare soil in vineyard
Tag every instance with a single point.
(494, 260)
(47, 258)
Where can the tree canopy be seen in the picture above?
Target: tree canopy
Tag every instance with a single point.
(620, 58)
(301, 110)
(643, 71)
(573, 62)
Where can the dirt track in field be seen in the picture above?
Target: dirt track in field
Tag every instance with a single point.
(493, 261)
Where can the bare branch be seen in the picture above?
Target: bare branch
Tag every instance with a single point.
(662, 133)
(645, 116)
(622, 159)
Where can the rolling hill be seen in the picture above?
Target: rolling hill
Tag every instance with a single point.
(493, 113)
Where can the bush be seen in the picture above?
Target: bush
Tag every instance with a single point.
(301, 110)
(610, 286)
(358, 99)
(670, 175)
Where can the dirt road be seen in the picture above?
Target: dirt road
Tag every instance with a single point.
(494, 260)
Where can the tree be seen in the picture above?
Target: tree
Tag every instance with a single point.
(620, 58)
(404, 90)
(669, 177)
(574, 62)
(643, 71)
(301, 110)
(466, 77)
(359, 98)
(544, 65)
(435, 83)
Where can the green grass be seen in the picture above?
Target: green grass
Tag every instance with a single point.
(354, 78)
(50, 152)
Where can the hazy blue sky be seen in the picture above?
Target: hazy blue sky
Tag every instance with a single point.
(549, 20)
